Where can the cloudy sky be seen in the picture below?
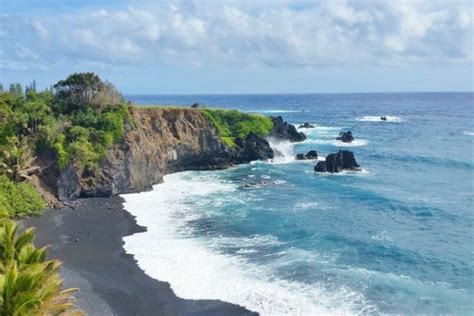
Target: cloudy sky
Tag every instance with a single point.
(194, 46)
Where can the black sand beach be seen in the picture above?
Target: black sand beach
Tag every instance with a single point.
(88, 239)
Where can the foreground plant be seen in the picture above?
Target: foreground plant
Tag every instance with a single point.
(30, 284)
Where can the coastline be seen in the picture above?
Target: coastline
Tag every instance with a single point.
(88, 239)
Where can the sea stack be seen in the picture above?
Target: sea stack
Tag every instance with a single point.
(337, 162)
(345, 137)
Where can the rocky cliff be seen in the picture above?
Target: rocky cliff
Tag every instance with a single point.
(160, 141)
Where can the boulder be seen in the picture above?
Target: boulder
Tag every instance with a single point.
(383, 118)
(312, 154)
(300, 157)
(337, 162)
(345, 137)
(320, 166)
(306, 125)
(286, 131)
(195, 105)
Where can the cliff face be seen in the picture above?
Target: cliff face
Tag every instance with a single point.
(161, 141)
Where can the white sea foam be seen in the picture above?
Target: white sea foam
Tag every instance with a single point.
(360, 172)
(284, 151)
(376, 118)
(194, 267)
(334, 142)
(468, 133)
(383, 236)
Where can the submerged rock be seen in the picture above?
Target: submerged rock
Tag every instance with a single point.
(284, 130)
(312, 154)
(345, 137)
(383, 118)
(337, 162)
(306, 125)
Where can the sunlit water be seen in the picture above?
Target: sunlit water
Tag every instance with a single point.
(280, 239)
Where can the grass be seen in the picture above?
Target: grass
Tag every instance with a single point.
(233, 124)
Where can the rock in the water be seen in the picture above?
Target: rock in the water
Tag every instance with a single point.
(300, 157)
(337, 162)
(312, 154)
(320, 166)
(345, 137)
(306, 125)
(195, 105)
(383, 118)
(284, 130)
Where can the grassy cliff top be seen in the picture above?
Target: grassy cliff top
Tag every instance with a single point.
(233, 124)
(230, 124)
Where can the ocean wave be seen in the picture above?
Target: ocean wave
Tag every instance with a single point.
(383, 236)
(195, 269)
(468, 133)
(284, 151)
(376, 118)
(355, 143)
(316, 127)
(361, 172)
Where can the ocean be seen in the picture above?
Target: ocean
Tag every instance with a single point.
(280, 239)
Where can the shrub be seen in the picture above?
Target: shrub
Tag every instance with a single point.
(19, 199)
(232, 124)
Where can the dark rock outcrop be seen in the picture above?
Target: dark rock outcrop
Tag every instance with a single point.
(383, 118)
(284, 130)
(195, 105)
(312, 154)
(337, 162)
(159, 142)
(345, 137)
(306, 125)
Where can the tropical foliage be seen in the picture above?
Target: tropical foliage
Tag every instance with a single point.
(77, 120)
(29, 283)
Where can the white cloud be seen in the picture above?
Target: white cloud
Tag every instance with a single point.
(274, 34)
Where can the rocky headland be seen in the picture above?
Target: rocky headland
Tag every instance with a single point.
(157, 141)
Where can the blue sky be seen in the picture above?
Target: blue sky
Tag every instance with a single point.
(225, 46)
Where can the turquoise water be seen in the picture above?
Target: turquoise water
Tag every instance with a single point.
(395, 238)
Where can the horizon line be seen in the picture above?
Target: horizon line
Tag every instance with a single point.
(291, 93)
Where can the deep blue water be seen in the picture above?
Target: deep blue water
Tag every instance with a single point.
(396, 238)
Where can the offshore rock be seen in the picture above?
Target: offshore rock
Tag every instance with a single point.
(337, 162)
(312, 154)
(345, 137)
(306, 125)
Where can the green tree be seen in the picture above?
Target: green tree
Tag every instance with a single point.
(83, 90)
(36, 109)
(16, 89)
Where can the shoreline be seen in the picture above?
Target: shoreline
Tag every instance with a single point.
(88, 240)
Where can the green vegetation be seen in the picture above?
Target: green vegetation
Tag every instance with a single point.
(76, 120)
(29, 283)
(232, 124)
(19, 199)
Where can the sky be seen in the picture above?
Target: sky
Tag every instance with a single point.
(219, 47)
